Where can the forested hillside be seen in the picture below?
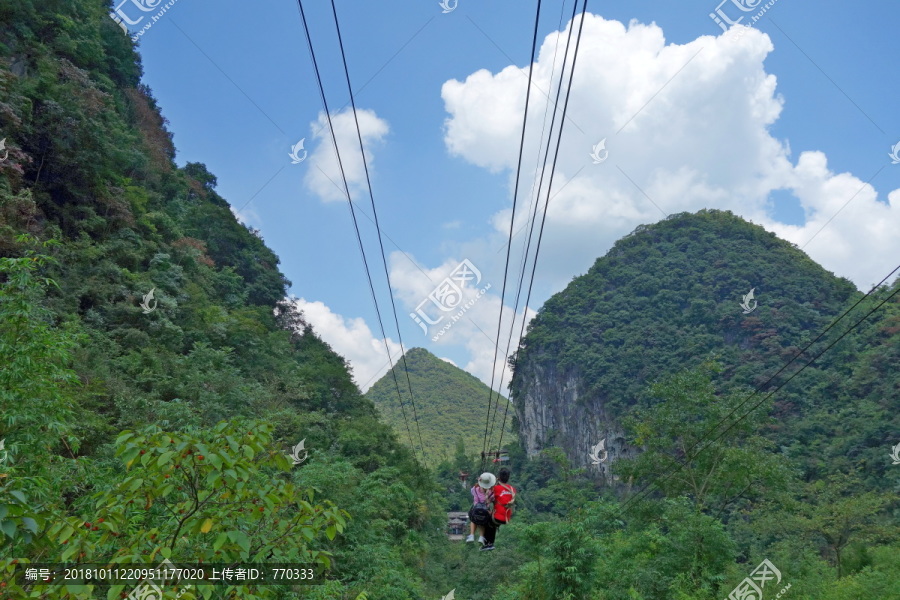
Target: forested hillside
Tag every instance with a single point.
(726, 445)
(668, 297)
(653, 344)
(160, 398)
(133, 434)
(450, 404)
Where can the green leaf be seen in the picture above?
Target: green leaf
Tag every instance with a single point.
(67, 532)
(129, 454)
(115, 592)
(240, 538)
(164, 458)
(19, 496)
(331, 531)
(226, 457)
(8, 527)
(30, 524)
(220, 541)
(68, 553)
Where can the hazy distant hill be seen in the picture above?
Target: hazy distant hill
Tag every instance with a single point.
(450, 403)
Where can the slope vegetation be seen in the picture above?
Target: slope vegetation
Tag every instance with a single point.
(668, 297)
(451, 405)
(133, 433)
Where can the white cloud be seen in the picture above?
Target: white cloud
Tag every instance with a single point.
(246, 216)
(445, 359)
(352, 339)
(323, 175)
(860, 241)
(687, 127)
(475, 329)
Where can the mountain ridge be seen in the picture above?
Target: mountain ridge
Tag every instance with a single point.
(440, 389)
(666, 297)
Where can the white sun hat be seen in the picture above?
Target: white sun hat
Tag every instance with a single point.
(487, 481)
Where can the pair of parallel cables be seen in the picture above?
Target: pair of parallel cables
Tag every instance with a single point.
(357, 231)
(697, 447)
(489, 421)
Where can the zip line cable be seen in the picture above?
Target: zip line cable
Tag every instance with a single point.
(537, 249)
(353, 215)
(644, 492)
(534, 193)
(536, 204)
(378, 229)
(512, 220)
(737, 408)
(533, 204)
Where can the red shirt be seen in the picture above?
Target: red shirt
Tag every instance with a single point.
(504, 496)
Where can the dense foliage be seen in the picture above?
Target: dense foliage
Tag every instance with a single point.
(450, 404)
(668, 296)
(133, 435)
(689, 524)
(740, 459)
(165, 430)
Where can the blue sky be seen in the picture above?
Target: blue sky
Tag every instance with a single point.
(785, 135)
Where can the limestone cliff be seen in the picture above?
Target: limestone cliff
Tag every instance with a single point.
(552, 411)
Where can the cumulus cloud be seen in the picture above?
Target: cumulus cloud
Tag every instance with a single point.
(847, 229)
(687, 126)
(323, 176)
(352, 339)
(465, 317)
(246, 216)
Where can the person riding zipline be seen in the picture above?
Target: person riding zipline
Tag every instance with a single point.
(504, 504)
(480, 513)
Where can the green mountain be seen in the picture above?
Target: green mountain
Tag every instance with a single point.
(668, 297)
(703, 478)
(129, 432)
(451, 405)
(138, 426)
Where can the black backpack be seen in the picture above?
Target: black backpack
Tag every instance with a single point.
(480, 514)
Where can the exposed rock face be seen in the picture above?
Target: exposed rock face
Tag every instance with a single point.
(552, 412)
